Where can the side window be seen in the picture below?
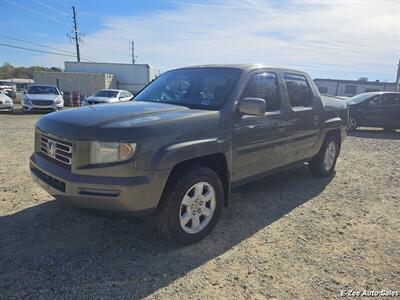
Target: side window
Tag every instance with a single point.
(391, 99)
(298, 90)
(264, 86)
(374, 101)
(323, 89)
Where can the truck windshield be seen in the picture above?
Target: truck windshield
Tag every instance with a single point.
(204, 88)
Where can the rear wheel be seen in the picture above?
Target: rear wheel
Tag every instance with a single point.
(190, 206)
(323, 164)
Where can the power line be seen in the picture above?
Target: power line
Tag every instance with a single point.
(45, 46)
(53, 9)
(62, 3)
(36, 50)
(36, 12)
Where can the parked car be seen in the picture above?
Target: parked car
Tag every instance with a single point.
(374, 109)
(42, 98)
(6, 103)
(108, 96)
(175, 152)
(8, 90)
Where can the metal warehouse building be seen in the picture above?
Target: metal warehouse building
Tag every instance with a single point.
(131, 77)
(337, 87)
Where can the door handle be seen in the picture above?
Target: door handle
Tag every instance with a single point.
(281, 125)
(316, 119)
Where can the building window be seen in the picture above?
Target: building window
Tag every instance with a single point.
(367, 90)
(350, 89)
(323, 89)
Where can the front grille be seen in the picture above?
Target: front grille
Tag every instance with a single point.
(57, 149)
(42, 102)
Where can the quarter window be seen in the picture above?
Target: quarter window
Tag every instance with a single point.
(264, 86)
(298, 90)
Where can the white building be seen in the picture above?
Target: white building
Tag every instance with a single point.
(131, 77)
(85, 84)
(337, 87)
(18, 84)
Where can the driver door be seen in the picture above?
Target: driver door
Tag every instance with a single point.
(259, 142)
(374, 111)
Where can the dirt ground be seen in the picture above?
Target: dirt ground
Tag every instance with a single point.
(287, 236)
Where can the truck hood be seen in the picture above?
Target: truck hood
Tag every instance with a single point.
(109, 122)
(42, 96)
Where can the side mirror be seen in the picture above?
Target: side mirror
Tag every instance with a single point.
(62, 93)
(252, 106)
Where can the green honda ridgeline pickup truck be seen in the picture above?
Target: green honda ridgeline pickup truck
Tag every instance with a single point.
(191, 135)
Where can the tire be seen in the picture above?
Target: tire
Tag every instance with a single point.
(179, 205)
(352, 123)
(323, 164)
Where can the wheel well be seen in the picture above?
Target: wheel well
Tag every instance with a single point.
(216, 162)
(337, 134)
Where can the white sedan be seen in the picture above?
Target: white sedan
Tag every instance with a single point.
(108, 96)
(6, 103)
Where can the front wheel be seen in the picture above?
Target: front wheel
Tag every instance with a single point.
(352, 124)
(323, 164)
(191, 205)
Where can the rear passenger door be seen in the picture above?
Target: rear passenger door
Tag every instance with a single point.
(259, 142)
(391, 103)
(303, 117)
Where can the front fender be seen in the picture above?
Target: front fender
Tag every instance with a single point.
(169, 156)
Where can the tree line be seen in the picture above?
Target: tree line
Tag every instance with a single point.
(9, 71)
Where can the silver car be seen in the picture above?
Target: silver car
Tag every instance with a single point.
(42, 98)
(6, 103)
(108, 96)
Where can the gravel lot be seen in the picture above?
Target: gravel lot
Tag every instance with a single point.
(288, 235)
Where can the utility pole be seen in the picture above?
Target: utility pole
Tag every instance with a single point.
(397, 87)
(133, 52)
(76, 36)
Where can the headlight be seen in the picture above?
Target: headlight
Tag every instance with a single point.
(26, 100)
(101, 153)
(58, 100)
(84, 102)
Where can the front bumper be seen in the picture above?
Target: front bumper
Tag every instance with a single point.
(136, 196)
(29, 107)
(6, 106)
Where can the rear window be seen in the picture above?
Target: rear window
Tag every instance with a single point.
(108, 94)
(298, 90)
